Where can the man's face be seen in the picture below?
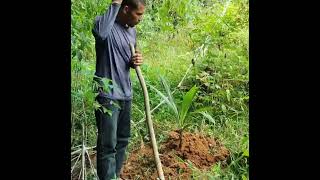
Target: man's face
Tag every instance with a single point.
(134, 15)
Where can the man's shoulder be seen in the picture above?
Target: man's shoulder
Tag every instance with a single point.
(133, 30)
(97, 18)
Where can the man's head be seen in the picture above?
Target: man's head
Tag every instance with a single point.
(131, 11)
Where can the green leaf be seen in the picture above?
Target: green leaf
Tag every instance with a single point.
(245, 153)
(167, 88)
(105, 110)
(184, 126)
(223, 107)
(171, 104)
(243, 177)
(201, 110)
(208, 116)
(96, 105)
(245, 140)
(228, 94)
(186, 103)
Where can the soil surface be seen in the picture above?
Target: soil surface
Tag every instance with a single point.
(197, 150)
(200, 151)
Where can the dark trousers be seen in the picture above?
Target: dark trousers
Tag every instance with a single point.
(113, 136)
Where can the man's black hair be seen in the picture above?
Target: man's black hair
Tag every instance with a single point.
(133, 3)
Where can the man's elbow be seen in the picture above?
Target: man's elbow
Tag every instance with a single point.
(99, 36)
(102, 37)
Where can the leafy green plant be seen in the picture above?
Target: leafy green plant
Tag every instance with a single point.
(183, 112)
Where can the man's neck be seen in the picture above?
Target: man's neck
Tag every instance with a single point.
(121, 22)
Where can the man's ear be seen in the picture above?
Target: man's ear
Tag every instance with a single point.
(126, 9)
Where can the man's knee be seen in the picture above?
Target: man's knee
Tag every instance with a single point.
(122, 142)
